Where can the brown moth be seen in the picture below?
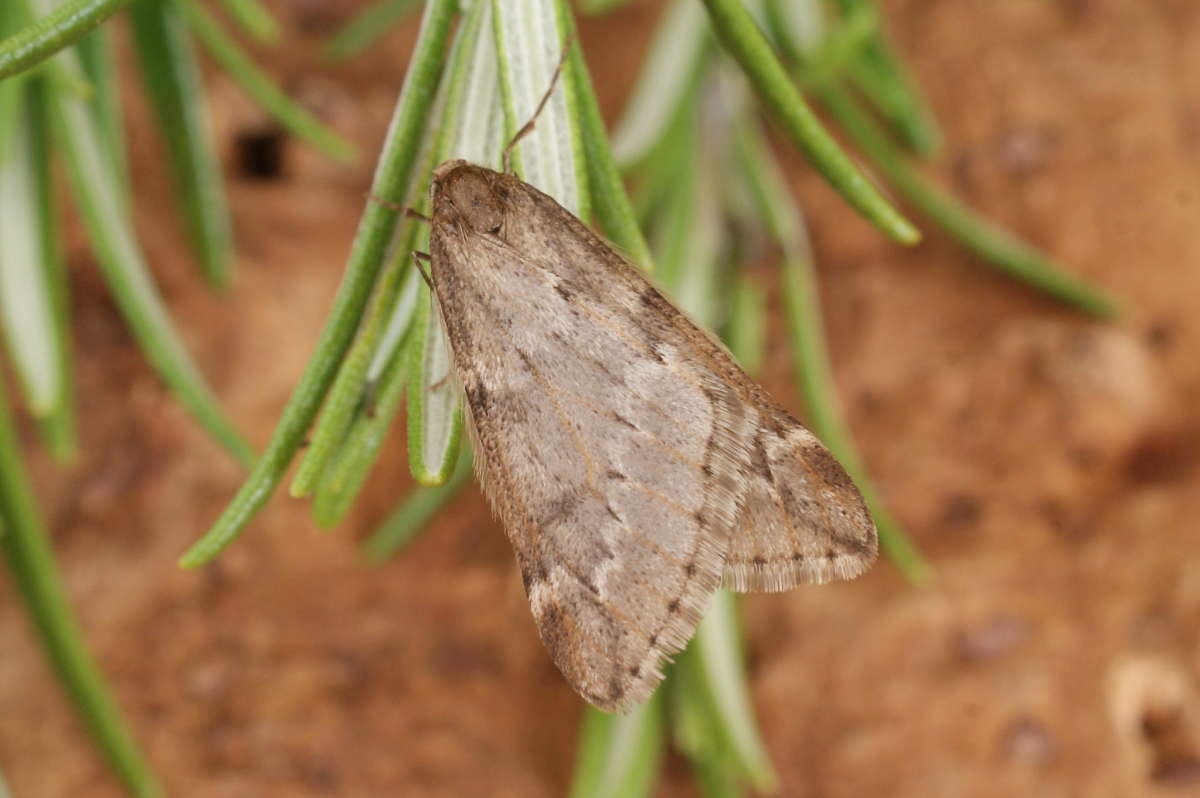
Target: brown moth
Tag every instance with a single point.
(634, 465)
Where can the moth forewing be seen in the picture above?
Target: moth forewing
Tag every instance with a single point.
(633, 465)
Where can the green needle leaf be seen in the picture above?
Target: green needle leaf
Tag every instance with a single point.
(470, 129)
(27, 552)
(741, 36)
(26, 302)
(746, 332)
(665, 81)
(416, 510)
(619, 755)
(366, 27)
(172, 80)
(529, 43)
(370, 251)
(347, 471)
(882, 77)
(120, 259)
(262, 89)
(994, 245)
(390, 319)
(714, 678)
(253, 18)
(63, 26)
(99, 64)
(609, 199)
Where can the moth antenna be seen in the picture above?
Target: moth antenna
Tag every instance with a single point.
(419, 256)
(528, 126)
(407, 210)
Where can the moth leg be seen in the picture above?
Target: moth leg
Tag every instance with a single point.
(419, 256)
(413, 213)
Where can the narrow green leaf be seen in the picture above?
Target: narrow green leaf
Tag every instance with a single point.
(390, 318)
(370, 251)
(172, 81)
(120, 259)
(613, 209)
(529, 44)
(881, 75)
(797, 26)
(746, 43)
(835, 53)
(366, 27)
(435, 415)
(619, 755)
(272, 99)
(27, 311)
(995, 246)
(598, 7)
(471, 129)
(415, 511)
(746, 331)
(57, 29)
(253, 17)
(692, 240)
(27, 553)
(667, 77)
(99, 64)
(718, 685)
(343, 478)
(57, 429)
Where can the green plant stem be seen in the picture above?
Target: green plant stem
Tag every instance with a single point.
(172, 80)
(375, 231)
(366, 27)
(31, 563)
(253, 18)
(737, 30)
(995, 246)
(415, 511)
(609, 199)
(265, 92)
(62, 27)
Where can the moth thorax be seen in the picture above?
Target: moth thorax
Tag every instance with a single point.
(470, 192)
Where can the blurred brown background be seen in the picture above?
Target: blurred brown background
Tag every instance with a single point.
(1046, 463)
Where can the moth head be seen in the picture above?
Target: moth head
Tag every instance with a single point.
(468, 193)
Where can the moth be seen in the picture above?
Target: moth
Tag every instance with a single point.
(635, 467)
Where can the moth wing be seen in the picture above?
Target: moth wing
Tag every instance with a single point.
(609, 450)
(802, 520)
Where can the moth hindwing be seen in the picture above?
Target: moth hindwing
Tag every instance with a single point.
(634, 466)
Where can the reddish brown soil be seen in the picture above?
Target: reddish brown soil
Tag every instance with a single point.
(1047, 464)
